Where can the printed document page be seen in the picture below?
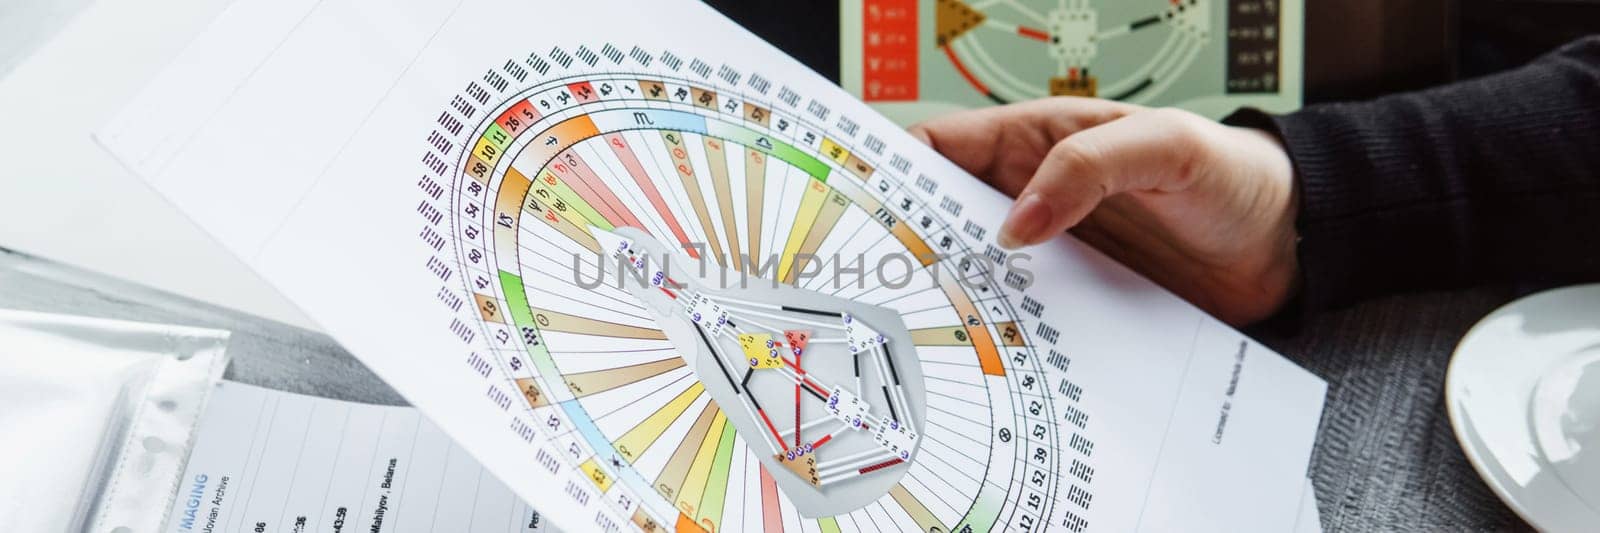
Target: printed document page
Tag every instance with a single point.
(276, 461)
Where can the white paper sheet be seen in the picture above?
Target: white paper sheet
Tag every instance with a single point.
(270, 460)
(420, 177)
(1310, 520)
(66, 200)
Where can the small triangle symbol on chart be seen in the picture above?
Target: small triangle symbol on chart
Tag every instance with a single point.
(953, 18)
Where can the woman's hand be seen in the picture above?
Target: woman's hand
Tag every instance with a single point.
(1205, 209)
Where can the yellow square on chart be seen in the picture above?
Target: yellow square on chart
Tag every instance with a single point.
(600, 478)
(759, 350)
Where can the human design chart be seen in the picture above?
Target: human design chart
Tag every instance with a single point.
(912, 59)
(656, 276)
(697, 163)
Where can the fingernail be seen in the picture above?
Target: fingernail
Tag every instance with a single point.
(920, 135)
(1029, 218)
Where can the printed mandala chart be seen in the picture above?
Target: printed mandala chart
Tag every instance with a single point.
(655, 275)
(913, 59)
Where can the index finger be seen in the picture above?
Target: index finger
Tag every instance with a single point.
(974, 139)
(1145, 151)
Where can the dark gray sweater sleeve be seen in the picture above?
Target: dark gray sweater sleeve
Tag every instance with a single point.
(1490, 180)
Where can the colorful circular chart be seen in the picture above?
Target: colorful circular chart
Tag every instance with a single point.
(730, 312)
(1073, 37)
(914, 60)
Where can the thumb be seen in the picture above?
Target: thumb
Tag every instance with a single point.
(1146, 150)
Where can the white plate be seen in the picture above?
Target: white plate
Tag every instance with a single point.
(1523, 393)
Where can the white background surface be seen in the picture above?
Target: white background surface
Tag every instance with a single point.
(64, 198)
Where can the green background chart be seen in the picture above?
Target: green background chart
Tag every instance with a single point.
(1017, 68)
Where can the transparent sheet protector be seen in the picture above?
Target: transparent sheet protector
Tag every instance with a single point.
(98, 417)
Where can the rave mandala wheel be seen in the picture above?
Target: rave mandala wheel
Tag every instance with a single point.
(914, 60)
(1072, 33)
(904, 398)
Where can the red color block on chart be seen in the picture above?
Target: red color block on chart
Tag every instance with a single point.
(889, 50)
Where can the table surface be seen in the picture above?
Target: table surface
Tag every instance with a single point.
(1385, 458)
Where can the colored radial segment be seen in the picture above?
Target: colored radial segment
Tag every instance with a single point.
(585, 383)
(646, 433)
